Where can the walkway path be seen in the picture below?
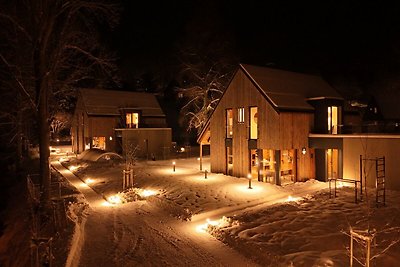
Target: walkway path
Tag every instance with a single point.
(144, 234)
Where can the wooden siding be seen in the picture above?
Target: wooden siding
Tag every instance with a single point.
(277, 131)
(102, 126)
(149, 141)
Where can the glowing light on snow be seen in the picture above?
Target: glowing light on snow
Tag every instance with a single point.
(83, 185)
(211, 225)
(72, 168)
(255, 189)
(62, 159)
(147, 193)
(106, 204)
(182, 149)
(202, 228)
(89, 181)
(290, 199)
(115, 199)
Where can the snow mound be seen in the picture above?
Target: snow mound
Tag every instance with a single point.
(130, 195)
(95, 154)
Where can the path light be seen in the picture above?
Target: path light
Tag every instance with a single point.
(173, 166)
(115, 199)
(89, 181)
(72, 168)
(147, 193)
(249, 177)
(205, 174)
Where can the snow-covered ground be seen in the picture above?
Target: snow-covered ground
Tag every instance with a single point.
(267, 225)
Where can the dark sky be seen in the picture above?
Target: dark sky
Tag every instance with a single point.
(355, 41)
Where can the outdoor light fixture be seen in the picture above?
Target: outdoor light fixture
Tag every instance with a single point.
(182, 149)
(110, 138)
(303, 151)
(89, 181)
(205, 174)
(249, 177)
(173, 166)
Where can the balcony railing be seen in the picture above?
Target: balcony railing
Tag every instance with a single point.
(373, 127)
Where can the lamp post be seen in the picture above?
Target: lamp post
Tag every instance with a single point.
(249, 177)
(173, 166)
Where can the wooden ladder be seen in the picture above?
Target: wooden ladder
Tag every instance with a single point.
(380, 181)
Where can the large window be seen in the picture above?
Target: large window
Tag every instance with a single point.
(229, 123)
(253, 123)
(254, 163)
(268, 166)
(333, 120)
(99, 142)
(132, 120)
(240, 115)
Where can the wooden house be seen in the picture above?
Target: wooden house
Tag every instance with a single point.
(115, 120)
(262, 123)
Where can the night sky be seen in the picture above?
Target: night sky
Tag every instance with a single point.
(354, 43)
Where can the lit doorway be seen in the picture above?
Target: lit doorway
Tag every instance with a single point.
(267, 174)
(254, 163)
(229, 161)
(99, 142)
(332, 163)
(288, 166)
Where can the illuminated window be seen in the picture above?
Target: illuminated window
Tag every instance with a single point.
(253, 122)
(132, 120)
(333, 120)
(99, 142)
(229, 123)
(240, 115)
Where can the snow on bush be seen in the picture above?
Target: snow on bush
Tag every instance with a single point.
(77, 209)
(130, 195)
(216, 227)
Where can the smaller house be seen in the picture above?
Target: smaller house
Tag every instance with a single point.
(117, 120)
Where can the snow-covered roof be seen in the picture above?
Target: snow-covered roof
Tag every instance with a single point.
(288, 90)
(110, 102)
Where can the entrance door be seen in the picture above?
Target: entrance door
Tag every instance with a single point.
(288, 166)
(332, 163)
(254, 163)
(229, 161)
(268, 166)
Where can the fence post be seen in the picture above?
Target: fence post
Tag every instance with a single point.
(351, 248)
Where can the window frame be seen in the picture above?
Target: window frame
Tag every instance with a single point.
(250, 123)
(241, 115)
(227, 125)
(131, 112)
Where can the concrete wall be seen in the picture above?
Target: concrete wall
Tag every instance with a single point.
(156, 141)
(372, 147)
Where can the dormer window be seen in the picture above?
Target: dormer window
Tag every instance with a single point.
(333, 119)
(132, 120)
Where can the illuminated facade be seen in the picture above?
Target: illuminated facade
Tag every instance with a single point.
(269, 115)
(112, 120)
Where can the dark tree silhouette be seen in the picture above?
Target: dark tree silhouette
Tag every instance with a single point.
(207, 62)
(49, 49)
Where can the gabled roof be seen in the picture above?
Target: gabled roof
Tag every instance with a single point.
(110, 102)
(288, 90)
(284, 90)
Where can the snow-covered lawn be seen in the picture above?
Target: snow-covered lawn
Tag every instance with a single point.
(273, 226)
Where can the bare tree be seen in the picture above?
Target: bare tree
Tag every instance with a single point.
(50, 48)
(207, 63)
(203, 91)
